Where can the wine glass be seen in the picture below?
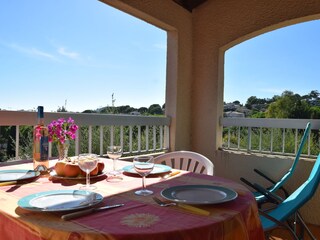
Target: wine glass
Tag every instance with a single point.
(114, 152)
(143, 166)
(87, 162)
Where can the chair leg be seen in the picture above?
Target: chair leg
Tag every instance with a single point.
(281, 224)
(305, 227)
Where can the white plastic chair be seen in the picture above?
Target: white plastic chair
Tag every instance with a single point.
(186, 160)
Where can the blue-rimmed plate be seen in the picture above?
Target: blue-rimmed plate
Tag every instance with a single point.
(199, 194)
(18, 175)
(157, 169)
(60, 200)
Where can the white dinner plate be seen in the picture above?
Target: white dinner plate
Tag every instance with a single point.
(157, 169)
(53, 174)
(199, 194)
(60, 200)
(18, 175)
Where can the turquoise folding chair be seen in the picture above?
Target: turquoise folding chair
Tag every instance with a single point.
(286, 213)
(261, 199)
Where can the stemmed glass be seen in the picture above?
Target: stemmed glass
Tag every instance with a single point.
(87, 162)
(143, 166)
(114, 152)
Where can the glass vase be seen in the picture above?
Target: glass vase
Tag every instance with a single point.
(63, 150)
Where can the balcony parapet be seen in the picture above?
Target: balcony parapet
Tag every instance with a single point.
(270, 136)
(138, 134)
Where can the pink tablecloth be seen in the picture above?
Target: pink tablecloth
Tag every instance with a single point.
(139, 218)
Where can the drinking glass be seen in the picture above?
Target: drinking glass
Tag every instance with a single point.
(143, 166)
(114, 152)
(87, 162)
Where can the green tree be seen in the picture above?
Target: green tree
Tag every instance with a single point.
(256, 114)
(254, 100)
(143, 110)
(155, 109)
(314, 95)
(62, 109)
(109, 110)
(289, 105)
(125, 109)
(89, 111)
(315, 112)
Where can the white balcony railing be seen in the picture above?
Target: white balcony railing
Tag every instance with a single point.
(137, 134)
(270, 136)
(141, 134)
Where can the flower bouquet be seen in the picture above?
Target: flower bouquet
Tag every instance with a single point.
(62, 131)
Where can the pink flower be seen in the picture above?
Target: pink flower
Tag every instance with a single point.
(61, 130)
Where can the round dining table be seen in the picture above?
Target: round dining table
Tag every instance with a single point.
(140, 217)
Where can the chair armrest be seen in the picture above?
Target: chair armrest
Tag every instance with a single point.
(272, 181)
(264, 176)
(273, 198)
(248, 183)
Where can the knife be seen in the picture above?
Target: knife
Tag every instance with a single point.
(87, 211)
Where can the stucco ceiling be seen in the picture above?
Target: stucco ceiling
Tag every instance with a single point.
(189, 4)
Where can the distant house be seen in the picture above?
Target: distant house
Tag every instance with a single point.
(230, 107)
(232, 114)
(136, 113)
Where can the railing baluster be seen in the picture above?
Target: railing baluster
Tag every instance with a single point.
(139, 138)
(101, 140)
(50, 150)
(130, 138)
(121, 136)
(228, 145)
(90, 139)
(161, 137)
(271, 141)
(296, 141)
(77, 145)
(309, 139)
(154, 138)
(111, 135)
(167, 137)
(260, 140)
(147, 137)
(239, 137)
(249, 139)
(283, 139)
(17, 141)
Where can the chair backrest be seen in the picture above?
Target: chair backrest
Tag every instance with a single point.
(285, 177)
(297, 199)
(186, 160)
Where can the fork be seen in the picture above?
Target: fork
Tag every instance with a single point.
(184, 206)
(163, 204)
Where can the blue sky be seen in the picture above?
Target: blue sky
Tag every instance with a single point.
(284, 59)
(79, 52)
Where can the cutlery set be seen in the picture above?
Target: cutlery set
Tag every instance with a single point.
(187, 207)
(85, 212)
(81, 213)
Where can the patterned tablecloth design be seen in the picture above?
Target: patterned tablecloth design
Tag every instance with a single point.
(139, 218)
